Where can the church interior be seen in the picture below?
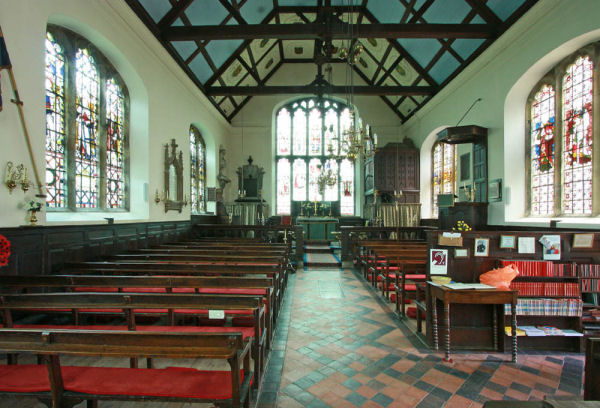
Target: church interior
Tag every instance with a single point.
(300, 203)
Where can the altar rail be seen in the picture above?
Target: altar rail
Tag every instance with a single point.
(393, 233)
(272, 233)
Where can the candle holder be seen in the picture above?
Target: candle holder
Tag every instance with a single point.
(34, 208)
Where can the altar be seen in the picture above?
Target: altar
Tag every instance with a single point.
(318, 228)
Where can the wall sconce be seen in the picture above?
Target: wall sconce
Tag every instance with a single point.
(160, 197)
(16, 175)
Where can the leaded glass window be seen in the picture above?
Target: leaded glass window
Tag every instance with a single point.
(444, 172)
(577, 138)
(562, 139)
(197, 171)
(86, 126)
(283, 186)
(56, 180)
(115, 146)
(542, 152)
(309, 134)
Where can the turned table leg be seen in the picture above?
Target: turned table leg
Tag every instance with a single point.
(495, 325)
(514, 331)
(447, 318)
(434, 317)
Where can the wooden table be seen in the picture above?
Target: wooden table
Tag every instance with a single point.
(474, 297)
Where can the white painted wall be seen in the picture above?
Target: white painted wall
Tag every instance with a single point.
(164, 102)
(503, 76)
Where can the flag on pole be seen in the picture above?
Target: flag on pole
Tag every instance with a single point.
(4, 60)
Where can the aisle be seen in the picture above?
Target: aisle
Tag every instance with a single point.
(344, 349)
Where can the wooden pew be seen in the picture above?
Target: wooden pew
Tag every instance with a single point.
(176, 284)
(360, 245)
(183, 269)
(591, 386)
(65, 386)
(132, 304)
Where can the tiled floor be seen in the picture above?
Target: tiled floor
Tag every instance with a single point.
(338, 345)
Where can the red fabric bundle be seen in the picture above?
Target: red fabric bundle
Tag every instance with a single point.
(500, 278)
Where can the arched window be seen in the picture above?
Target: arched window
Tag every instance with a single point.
(444, 172)
(86, 126)
(309, 135)
(198, 171)
(562, 135)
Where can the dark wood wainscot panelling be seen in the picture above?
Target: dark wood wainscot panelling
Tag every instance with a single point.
(44, 250)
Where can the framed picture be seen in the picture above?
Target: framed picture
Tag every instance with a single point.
(508, 241)
(461, 253)
(583, 240)
(551, 247)
(495, 190)
(526, 245)
(482, 247)
(438, 261)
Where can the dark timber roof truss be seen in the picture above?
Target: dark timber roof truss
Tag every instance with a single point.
(411, 48)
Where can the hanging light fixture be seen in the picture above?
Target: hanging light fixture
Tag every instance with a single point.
(356, 140)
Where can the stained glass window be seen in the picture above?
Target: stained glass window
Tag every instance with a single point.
(197, 171)
(577, 138)
(314, 171)
(346, 187)
(542, 152)
(284, 132)
(444, 173)
(299, 128)
(55, 125)
(86, 150)
(300, 188)
(562, 162)
(315, 129)
(283, 186)
(86, 128)
(115, 149)
(331, 190)
(315, 132)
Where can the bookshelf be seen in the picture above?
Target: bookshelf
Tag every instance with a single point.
(549, 306)
(589, 276)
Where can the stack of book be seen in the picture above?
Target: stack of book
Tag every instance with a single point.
(542, 331)
(547, 307)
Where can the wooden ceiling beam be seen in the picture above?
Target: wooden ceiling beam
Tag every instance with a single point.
(173, 14)
(314, 89)
(336, 31)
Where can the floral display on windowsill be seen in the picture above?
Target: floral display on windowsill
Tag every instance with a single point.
(461, 226)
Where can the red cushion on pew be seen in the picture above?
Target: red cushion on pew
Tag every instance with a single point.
(246, 331)
(184, 290)
(168, 382)
(412, 313)
(393, 299)
(410, 288)
(421, 277)
(95, 289)
(69, 327)
(145, 290)
(236, 291)
(24, 378)
(101, 310)
(205, 311)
